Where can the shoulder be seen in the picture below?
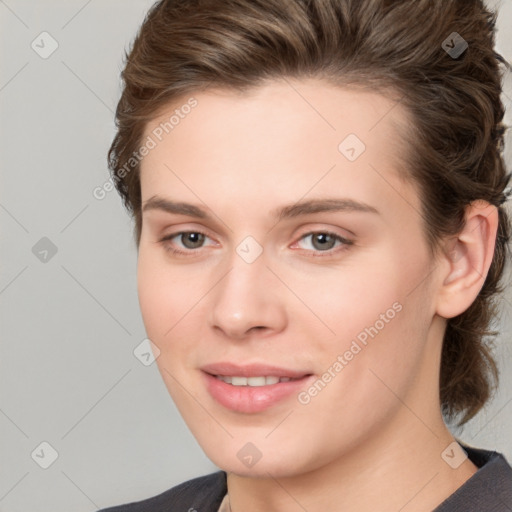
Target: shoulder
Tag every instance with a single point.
(489, 489)
(203, 494)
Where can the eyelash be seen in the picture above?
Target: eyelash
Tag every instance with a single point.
(316, 254)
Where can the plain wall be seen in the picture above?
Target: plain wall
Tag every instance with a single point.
(70, 315)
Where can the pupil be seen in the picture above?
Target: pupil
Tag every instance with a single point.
(195, 239)
(322, 237)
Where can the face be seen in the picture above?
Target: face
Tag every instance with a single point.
(282, 273)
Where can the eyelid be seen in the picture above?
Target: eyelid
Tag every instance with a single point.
(345, 242)
(325, 229)
(170, 236)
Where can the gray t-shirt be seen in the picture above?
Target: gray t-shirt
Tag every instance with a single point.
(488, 490)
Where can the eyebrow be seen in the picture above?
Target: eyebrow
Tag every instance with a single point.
(285, 212)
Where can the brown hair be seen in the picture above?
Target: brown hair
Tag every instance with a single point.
(452, 92)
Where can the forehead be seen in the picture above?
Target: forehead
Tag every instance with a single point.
(284, 134)
(361, 106)
(311, 107)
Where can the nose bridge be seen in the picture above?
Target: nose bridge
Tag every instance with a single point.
(245, 298)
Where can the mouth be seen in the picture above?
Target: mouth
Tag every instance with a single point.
(253, 388)
(252, 371)
(253, 381)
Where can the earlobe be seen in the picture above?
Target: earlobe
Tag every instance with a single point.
(469, 256)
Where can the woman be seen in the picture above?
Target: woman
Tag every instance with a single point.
(318, 192)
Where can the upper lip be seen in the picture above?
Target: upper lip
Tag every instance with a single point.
(252, 370)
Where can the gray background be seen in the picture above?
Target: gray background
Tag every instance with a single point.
(68, 375)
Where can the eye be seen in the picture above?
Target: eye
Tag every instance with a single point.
(190, 240)
(325, 241)
(320, 242)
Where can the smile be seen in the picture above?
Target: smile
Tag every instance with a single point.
(252, 381)
(251, 394)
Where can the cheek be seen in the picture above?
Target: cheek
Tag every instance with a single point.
(160, 304)
(173, 306)
(382, 336)
(165, 302)
(379, 315)
(344, 302)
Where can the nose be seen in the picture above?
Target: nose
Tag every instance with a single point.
(248, 299)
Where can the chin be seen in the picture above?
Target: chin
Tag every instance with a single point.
(245, 459)
(261, 469)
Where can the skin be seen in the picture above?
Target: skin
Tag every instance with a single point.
(372, 438)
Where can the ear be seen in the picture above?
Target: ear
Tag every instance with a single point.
(466, 259)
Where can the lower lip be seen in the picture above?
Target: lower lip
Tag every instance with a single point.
(251, 399)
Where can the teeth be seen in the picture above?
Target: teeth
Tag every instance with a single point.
(257, 381)
(272, 380)
(252, 381)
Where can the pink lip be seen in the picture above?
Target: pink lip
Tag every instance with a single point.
(249, 399)
(252, 370)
